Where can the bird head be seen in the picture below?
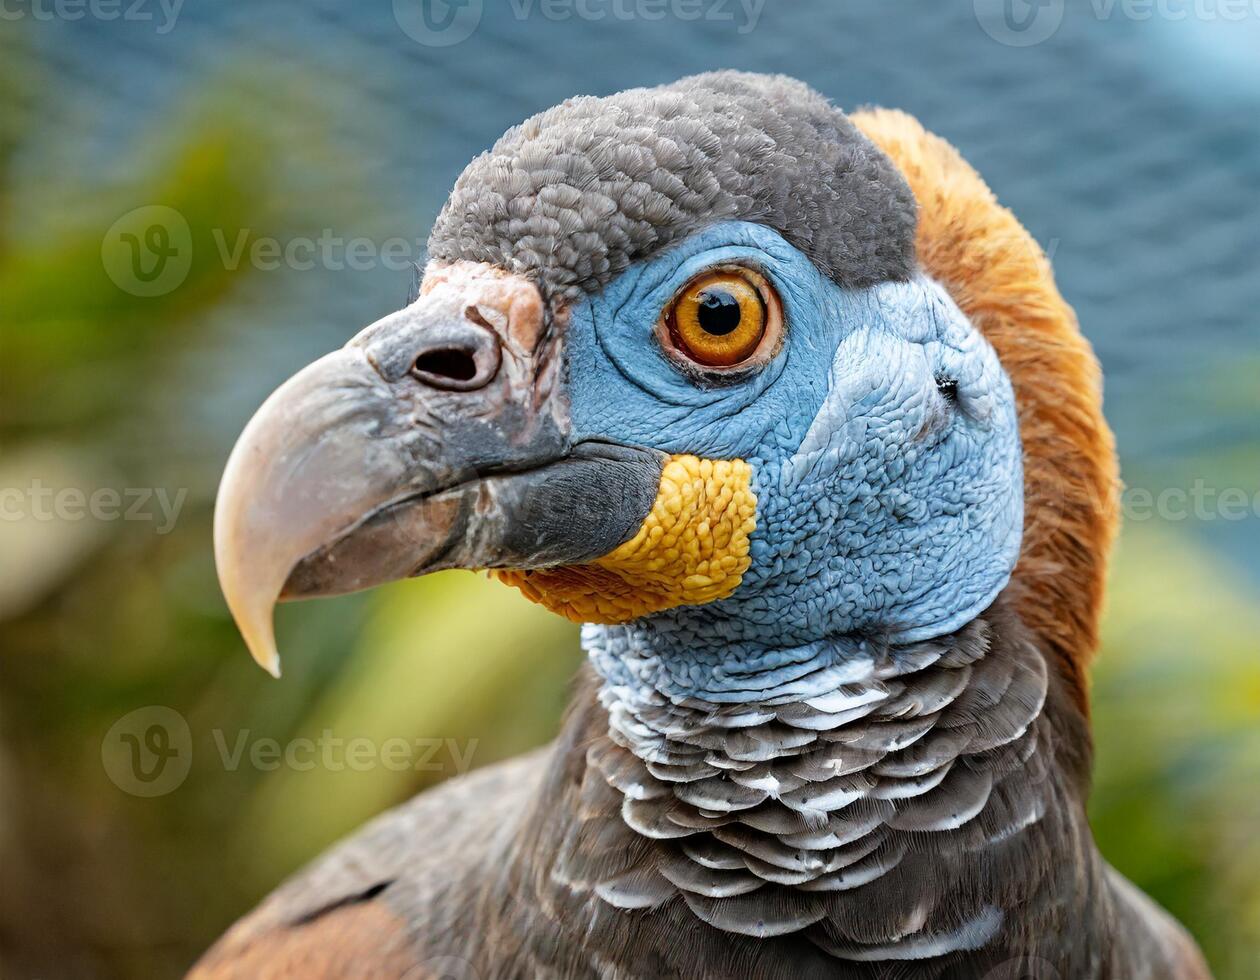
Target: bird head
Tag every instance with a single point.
(706, 363)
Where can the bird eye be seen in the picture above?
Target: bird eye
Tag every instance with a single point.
(722, 319)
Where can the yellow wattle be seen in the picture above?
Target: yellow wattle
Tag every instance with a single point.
(691, 549)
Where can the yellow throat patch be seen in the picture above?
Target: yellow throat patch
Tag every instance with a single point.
(692, 548)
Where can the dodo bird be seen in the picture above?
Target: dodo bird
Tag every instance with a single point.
(786, 409)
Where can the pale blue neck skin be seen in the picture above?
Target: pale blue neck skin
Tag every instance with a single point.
(886, 510)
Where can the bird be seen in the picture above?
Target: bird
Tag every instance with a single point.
(787, 410)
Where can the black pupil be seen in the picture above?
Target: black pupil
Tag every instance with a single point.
(718, 313)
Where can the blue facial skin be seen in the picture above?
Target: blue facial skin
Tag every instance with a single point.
(887, 509)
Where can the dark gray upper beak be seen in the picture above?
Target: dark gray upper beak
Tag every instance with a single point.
(437, 438)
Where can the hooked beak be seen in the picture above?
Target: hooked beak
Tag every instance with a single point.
(437, 438)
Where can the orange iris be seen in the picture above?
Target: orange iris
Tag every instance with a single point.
(719, 319)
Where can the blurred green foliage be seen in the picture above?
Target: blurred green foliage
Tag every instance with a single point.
(1176, 802)
(100, 618)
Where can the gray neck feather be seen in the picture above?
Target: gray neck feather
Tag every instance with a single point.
(771, 814)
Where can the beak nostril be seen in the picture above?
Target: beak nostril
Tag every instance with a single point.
(445, 365)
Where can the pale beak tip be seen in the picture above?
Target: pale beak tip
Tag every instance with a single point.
(261, 641)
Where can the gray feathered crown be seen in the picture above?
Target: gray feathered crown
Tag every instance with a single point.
(574, 195)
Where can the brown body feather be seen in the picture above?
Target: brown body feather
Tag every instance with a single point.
(516, 871)
(498, 876)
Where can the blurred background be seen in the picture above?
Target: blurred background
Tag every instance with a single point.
(198, 198)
